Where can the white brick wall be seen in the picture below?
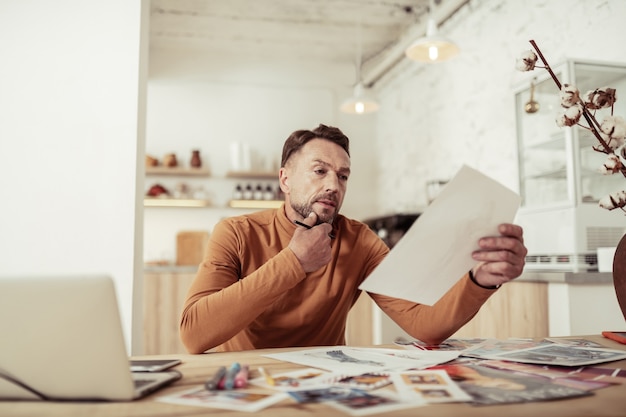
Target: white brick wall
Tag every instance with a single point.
(434, 118)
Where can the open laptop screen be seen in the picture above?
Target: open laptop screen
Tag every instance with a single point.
(62, 339)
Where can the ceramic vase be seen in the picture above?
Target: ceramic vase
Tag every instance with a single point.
(619, 274)
(195, 162)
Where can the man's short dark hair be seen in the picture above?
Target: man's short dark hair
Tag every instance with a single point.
(299, 138)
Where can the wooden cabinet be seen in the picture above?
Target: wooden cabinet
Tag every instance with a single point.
(359, 324)
(518, 309)
(164, 296)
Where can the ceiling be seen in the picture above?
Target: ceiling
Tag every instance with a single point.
(326, 31)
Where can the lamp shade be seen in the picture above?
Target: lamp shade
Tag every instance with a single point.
(360, 102)
(432, 48)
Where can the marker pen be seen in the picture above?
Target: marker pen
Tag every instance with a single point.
(213, 383)
(241, 379)
(299, 223)
(229, 379)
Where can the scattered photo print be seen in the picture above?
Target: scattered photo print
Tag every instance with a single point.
(225, 399)
(432, 386)
(361, 403)
(365, 381)
(285, 381)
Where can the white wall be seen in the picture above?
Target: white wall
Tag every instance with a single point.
(70, 137)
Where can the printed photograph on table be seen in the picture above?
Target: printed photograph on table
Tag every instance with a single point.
(492, 347)
(360, 403)
(493, 386)
(365, 381)
(226, 399)
(585, 378)
(433, 386)
(554, 354)
(309, 377)
(318, 395)
(575, 342)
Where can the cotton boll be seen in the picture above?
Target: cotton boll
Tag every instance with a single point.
(569, 95)
(613, 200)
(526, 61)
(611, 165)
(614, 127)
(570, 116)
(600, 98)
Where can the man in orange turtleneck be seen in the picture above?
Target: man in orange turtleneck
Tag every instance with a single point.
(266, 281)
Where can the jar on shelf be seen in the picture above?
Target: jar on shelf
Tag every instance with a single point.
(170, 160)
(248, 193)
(238, 193)
(269, 193)
(196, 161)
(258, 192)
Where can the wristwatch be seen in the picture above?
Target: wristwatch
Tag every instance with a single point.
(487, 287)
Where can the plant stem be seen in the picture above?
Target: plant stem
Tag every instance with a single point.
(547, 67)
(588, 117)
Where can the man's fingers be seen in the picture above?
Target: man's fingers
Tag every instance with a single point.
(311, 220)
(513, 230)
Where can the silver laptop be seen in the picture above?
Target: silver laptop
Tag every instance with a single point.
(61, 339)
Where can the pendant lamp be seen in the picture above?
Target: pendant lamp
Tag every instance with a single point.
(432, 48)
(361, 101)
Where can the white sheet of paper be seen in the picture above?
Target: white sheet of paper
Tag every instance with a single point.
(437, 249)
(355, 361)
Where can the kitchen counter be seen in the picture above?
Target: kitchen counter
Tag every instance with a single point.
(579, 302)
(170, 269)
(563, 277)
(567, 277)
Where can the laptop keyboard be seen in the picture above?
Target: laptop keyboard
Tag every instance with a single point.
(141, 382)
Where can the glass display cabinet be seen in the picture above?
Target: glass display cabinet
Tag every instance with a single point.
(560, 183)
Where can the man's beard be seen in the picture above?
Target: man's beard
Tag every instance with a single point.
(305, 209)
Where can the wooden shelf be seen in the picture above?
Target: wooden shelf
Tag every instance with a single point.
(175, 202)
(190, 202)
(253, 174)
(255, 204)
(161, 170)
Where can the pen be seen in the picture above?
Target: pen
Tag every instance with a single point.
(229, 379)
(213, 383)
(267, 376)
(299, 223)
(241, 379)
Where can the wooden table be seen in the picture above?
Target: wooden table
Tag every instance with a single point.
(610, 401)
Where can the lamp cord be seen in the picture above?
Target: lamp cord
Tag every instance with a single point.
(359, 49)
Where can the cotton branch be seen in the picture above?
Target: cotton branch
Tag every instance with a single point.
(588, 116)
